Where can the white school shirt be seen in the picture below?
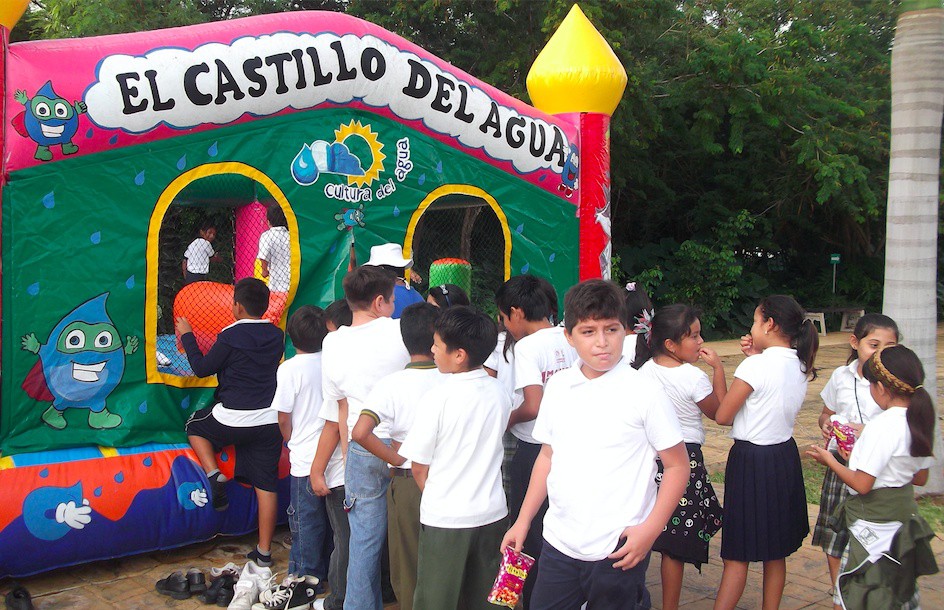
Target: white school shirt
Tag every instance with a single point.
(537, 357)
(848, 395)
(458, 433)
(354, 359)
(397, 397)
(685, 385)
(629, 347)
(770, 411)
(884, 450)
(505, 369)
(198, 256)
(274, 249)
(605, 434)
(298, 391)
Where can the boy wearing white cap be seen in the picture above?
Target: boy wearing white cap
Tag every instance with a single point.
(390, 257)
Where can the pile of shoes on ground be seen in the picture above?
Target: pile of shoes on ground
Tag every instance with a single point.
(250, 589)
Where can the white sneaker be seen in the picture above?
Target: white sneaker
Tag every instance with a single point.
(318, 604)
(230, 568)
(251, 582)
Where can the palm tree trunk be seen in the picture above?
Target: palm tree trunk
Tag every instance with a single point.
(913, 181)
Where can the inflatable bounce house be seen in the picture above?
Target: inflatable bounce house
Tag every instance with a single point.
(301, 140)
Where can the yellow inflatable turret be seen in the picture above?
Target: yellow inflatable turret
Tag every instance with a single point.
(577, 71)
(11, 11)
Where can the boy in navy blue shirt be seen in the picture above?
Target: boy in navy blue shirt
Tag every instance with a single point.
(245, 358)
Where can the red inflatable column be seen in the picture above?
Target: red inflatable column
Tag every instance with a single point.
(594, 211)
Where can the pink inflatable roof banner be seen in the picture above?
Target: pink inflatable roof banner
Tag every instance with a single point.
(84, 96)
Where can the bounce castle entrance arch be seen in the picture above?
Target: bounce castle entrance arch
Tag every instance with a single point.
(462, 221)
(234, 198)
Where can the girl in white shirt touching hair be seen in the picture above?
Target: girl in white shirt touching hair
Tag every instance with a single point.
(676, 346)
(847, 400)
(765, 516)
(889, 544)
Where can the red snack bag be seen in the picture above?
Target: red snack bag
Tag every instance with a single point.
(845, 436)
(510, 580)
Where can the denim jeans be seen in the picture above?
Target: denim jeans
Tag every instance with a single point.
(307, 518)
(366, 479)
(337, 570)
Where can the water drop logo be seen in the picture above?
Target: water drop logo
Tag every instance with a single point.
(49, 200)
(139, 179)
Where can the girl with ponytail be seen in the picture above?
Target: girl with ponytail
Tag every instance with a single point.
(765, 516)
(892, 455)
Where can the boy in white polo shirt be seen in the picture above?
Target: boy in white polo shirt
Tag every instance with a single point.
(395, 400)
(605, 510)
(354, 359)
(298, 401)
(456, 448)
(541, 350)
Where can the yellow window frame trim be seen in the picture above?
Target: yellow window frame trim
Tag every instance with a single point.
(459, 189)
(154, 227)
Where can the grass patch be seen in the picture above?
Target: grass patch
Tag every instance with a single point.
(930, 507)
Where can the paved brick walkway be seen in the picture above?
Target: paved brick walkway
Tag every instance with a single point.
(128, 583)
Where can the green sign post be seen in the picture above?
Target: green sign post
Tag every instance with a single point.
(834, 261)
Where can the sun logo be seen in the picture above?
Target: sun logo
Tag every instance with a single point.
(371, 173)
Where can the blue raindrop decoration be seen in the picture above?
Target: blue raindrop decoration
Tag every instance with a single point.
(120, 477)
(182, 162)
(213, 150)
(139, 179)
(148, 461)
(89, 133)
(96, 237)
(304, 168)
(224, 457)
(129, 283)
(33, 289)
(439, 167)
(519, 229)
(44, 473)
(98, 492)
(541, 178)
(185, 403)
(552, 257)
(396, 211)
(49, 200)
(526, 268)
(113, 139)
(143, 407)
(421, 179)
(333, 248)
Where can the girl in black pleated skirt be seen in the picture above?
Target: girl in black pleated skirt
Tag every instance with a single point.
(765, 517)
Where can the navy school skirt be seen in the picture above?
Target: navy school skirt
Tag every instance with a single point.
(765, 514)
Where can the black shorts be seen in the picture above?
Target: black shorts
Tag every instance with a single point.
(258, 448)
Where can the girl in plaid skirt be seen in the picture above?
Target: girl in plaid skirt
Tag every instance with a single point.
(847, 400)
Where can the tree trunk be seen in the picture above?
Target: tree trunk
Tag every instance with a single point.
(910, 296)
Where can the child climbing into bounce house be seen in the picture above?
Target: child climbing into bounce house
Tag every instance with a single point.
(245, 358)
(199, 255)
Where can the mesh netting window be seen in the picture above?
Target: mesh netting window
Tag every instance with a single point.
(459, 226)
(218, 230)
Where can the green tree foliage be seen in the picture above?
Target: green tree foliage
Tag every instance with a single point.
(751, 142)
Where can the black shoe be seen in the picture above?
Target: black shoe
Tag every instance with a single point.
(175, 585)
(19, 599)
(223, 579)
(196, 581)
(227, 591)
(218, 489)
(263, 561)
